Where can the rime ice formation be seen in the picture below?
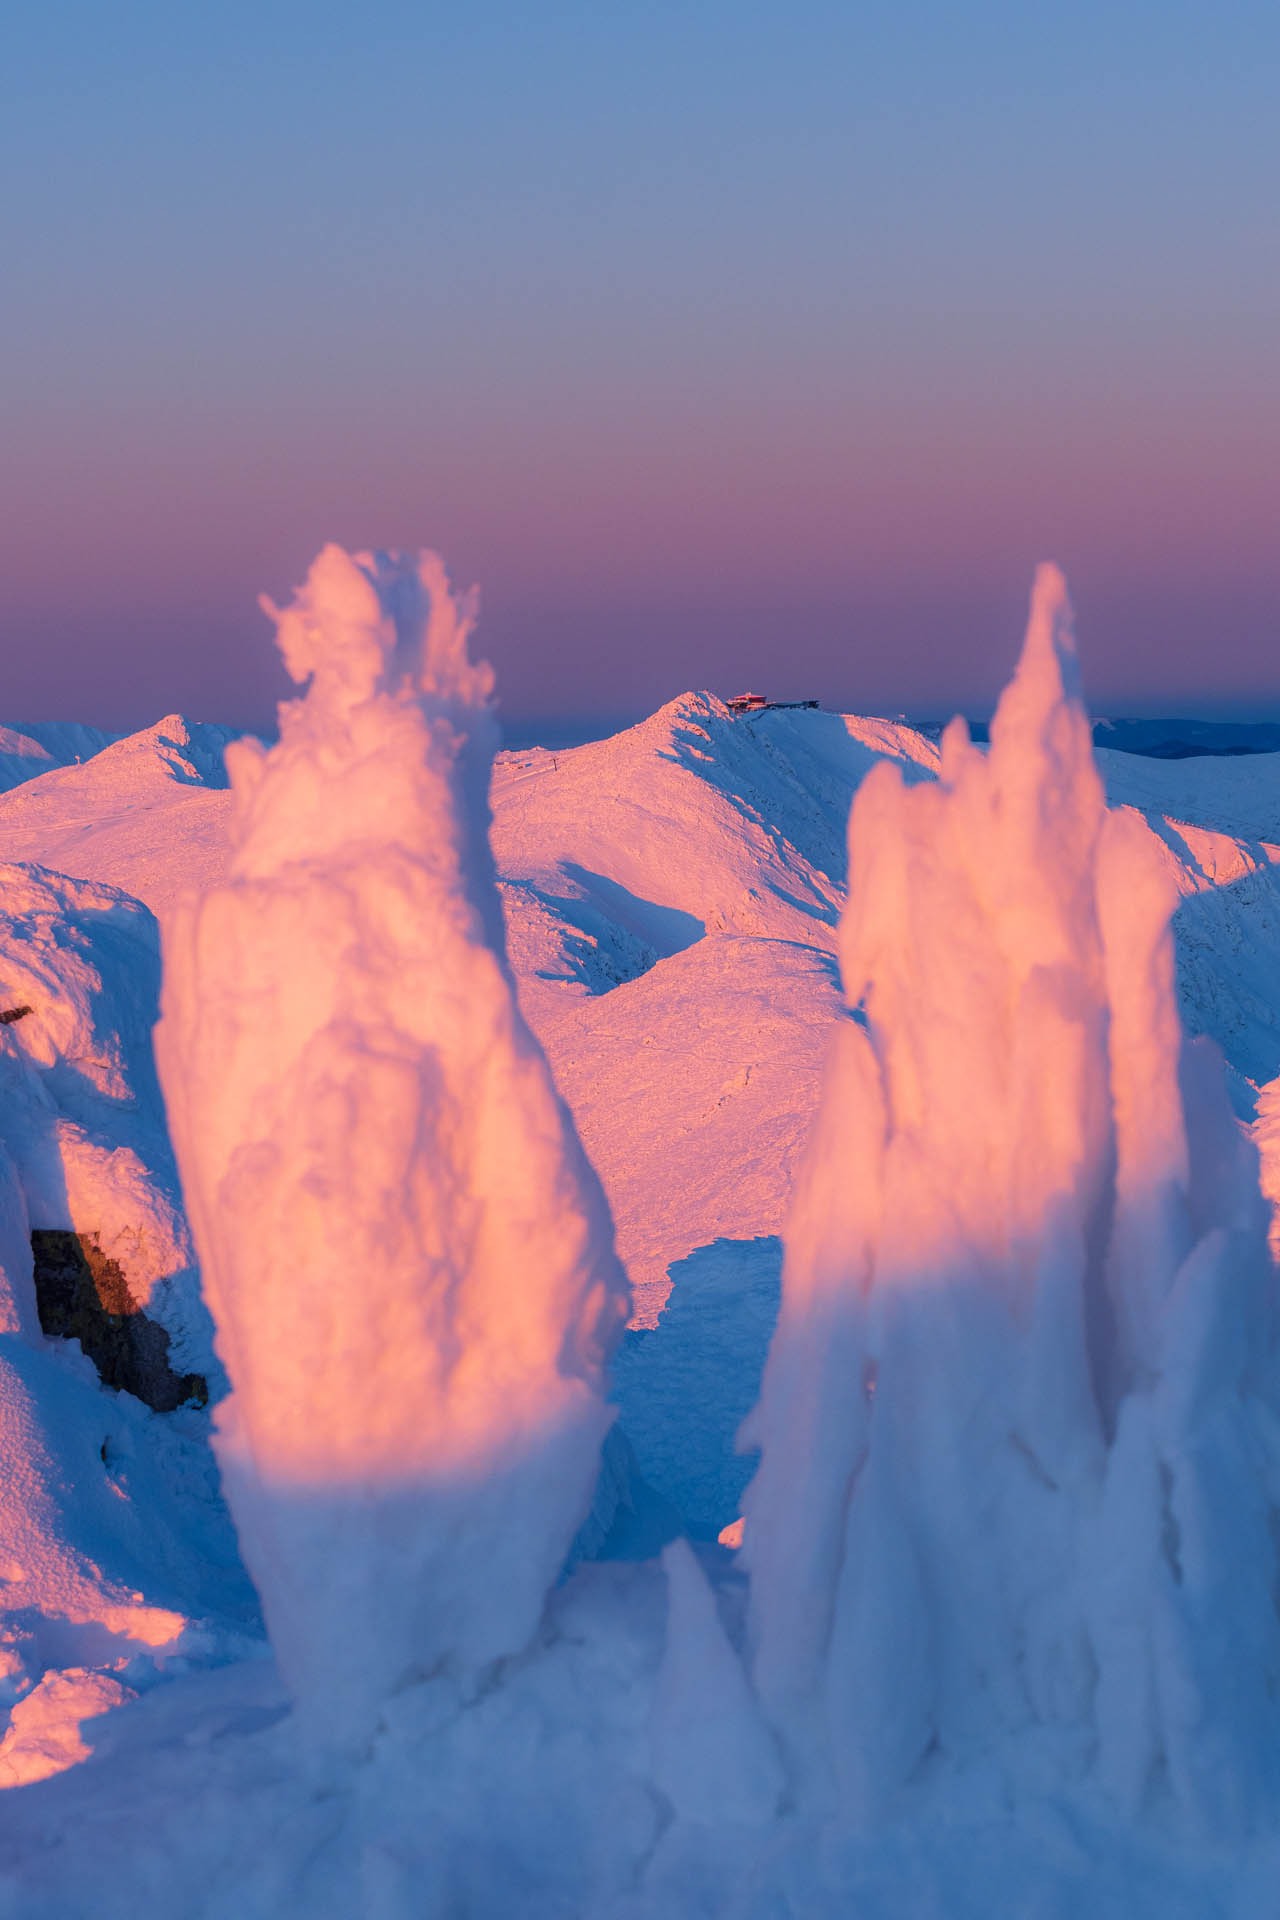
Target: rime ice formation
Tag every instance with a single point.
(710, 1752)
(1009, 1550)
(408, 1257)
(1020, 1473)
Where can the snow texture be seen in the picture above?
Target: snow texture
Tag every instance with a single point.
(43, 1736)
(26, 752)
(1010, 1600)
(115, 1554)
(408, 1258)
(1019, 1470)
(80, 1106)
(712, 1755)
(147, 813)
(685, 1386)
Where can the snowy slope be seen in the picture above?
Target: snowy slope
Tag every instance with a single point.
(538, 1802)
(80, 1106)
(693, 1088)
(1234, 794)
(671, 900)
(117, 1559)
(116, 1553)
(34, 749)
(146, 813)
(670, 896)
(619, 1767)
(705, 821)
(706, 848)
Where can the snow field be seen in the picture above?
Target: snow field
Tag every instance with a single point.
(1001, 1637)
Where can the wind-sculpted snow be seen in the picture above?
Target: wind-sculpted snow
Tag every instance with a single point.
(1020, 1478)
(80, 1106)
(624, 867)
(592, 934)
(1002, 1639)
(115, 1553)
(111, 1533)
(409, 1260)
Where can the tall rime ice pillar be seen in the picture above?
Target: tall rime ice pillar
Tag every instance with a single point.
(1018, 1468)
(408, 1257)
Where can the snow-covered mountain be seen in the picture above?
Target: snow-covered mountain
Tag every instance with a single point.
(145, 813)
(670, 896)
(671, 899)
(36, 748)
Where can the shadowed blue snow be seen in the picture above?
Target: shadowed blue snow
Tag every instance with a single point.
(685, 1387)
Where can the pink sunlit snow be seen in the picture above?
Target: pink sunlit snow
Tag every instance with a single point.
(409, 1260)
(885, 1039)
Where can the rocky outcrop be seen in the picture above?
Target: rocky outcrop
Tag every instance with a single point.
(82, 1294)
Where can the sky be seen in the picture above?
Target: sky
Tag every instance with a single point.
(720, 344)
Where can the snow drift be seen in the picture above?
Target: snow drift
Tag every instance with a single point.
(1020, 1472)
(1010, 1545)
(112, 1550)
(116, 1560)
(408, 1258)
(80, 1106)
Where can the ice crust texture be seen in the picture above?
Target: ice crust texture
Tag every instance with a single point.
(409, 1260)
(1020, 1471)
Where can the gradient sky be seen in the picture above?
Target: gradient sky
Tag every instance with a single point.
(722, 344)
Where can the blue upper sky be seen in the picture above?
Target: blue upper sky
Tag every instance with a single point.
(719, 343)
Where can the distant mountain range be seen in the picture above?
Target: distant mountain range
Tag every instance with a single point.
(1176, 739)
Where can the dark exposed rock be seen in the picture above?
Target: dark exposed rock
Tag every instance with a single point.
(83, 1295)
(11, 1014)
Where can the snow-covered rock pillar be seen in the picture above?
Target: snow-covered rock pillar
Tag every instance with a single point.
(408, 1257)
(1027, 1331)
